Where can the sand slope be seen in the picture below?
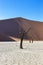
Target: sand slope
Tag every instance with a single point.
(15, 26)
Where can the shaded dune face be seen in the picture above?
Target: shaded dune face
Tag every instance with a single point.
(5, 38)
(11, 29)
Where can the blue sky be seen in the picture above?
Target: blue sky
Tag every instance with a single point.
(30, 9)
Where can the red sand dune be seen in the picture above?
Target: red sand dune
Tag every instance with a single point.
(10, 29)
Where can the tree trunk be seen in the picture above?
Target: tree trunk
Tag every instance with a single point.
(21, 41)
(32, 40)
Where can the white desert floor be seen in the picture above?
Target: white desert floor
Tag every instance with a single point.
(11, 54)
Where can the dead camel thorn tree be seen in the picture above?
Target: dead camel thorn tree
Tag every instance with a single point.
(22, 36)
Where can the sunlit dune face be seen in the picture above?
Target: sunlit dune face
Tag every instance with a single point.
(14, 38)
